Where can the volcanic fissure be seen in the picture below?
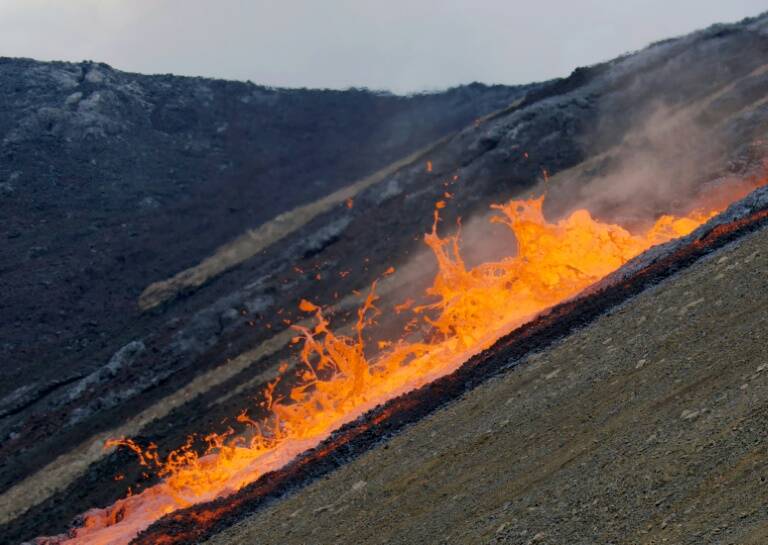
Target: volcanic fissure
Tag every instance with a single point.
(347, 397)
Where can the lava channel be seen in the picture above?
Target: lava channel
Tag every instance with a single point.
(471, 309)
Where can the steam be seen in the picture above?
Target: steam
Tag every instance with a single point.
(656, 167)
(485, 242)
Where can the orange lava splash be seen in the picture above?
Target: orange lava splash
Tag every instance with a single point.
(472, 308)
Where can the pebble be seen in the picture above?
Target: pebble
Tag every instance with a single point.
(689, 414)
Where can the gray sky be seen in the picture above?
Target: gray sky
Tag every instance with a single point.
(403, 45)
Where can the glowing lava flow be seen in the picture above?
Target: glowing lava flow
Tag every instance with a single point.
(473, 308)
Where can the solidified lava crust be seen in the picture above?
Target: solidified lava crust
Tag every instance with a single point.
(196, 523)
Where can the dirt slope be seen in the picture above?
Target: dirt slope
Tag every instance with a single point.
(646, 427)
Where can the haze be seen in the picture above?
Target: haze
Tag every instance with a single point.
(400, 45)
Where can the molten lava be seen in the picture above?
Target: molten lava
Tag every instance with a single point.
(472, 308)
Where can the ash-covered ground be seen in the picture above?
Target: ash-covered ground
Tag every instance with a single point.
(96, 217)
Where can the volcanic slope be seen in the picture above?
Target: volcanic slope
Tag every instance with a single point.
(690, 111)
(647, 426)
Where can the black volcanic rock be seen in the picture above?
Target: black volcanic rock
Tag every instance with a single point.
(111, 180)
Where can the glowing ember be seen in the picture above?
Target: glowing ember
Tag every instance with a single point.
(472, 308)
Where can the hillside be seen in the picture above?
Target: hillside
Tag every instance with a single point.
(110, 181)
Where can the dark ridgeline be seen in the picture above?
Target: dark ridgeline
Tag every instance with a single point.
(111, 180)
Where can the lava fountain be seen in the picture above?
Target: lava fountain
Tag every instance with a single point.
(471, 308)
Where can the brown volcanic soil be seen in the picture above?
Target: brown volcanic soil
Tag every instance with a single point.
(646, 427)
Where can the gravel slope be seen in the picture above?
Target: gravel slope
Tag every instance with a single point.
(646, 427)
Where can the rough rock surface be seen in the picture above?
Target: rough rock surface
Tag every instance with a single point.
(112, 180)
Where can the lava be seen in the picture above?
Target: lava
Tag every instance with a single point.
(470, 309)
